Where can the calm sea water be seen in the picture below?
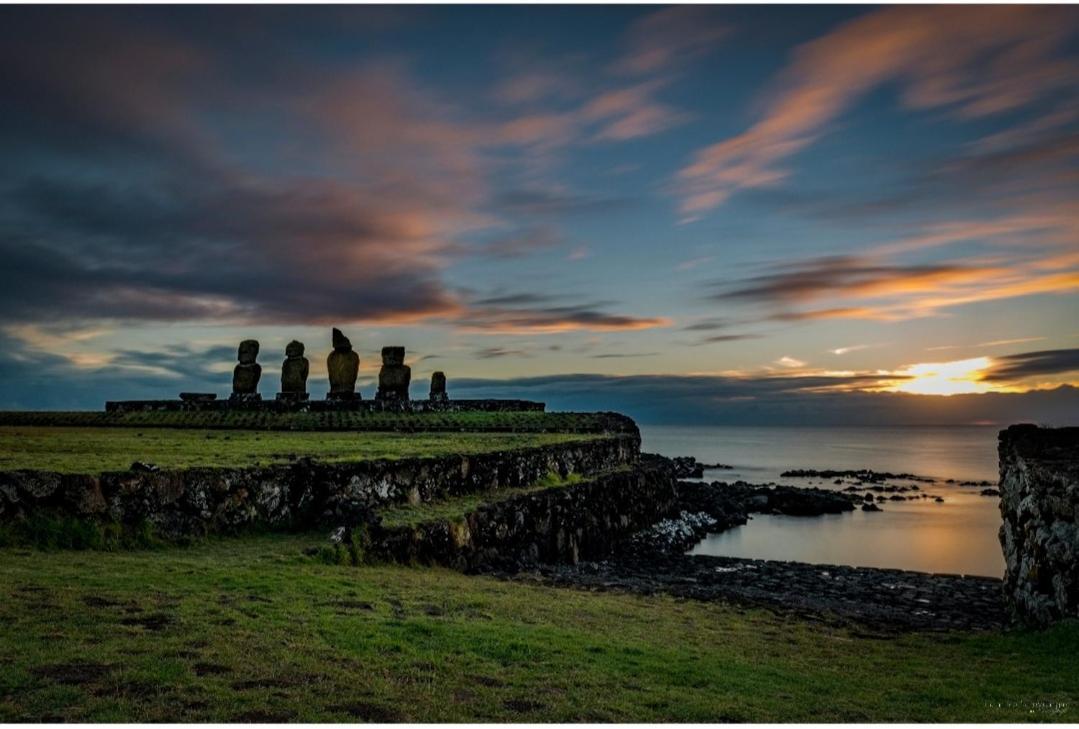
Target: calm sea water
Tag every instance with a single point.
(958, 536)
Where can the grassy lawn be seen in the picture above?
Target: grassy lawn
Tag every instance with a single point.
(249, 629)
(94, 450)
(472, 421)
(458, 506)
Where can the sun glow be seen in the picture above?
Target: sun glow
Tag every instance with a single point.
(944, 378)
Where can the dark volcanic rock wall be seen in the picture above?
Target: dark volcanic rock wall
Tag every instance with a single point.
(1039, 503)
(303, 494)
(562, 524)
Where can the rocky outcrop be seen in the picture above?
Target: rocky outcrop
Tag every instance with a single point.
(561, 524)
(1039, 504)
(300, 495)
(710, 508)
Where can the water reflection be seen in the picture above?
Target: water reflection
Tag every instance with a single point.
(958, 536)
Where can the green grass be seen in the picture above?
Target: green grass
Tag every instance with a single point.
(95, 450)
(456, 507)
(249, 629)
(473, 421)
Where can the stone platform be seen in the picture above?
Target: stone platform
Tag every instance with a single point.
(329, 405)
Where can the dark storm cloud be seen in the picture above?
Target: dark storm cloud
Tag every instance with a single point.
(1030, 364)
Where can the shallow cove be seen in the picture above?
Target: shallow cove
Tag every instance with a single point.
(957, 536)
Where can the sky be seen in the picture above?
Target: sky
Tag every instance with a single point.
(689, 213)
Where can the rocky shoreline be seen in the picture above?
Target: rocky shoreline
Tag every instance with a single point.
(881, 600)
(884, 601)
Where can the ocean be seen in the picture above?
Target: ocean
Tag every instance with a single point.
(958, 536)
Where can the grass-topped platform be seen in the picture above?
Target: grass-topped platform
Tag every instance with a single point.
(450, 509)
(356, 420)
(236, 630)
(95, 450)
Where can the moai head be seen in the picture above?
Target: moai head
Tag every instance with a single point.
(294, 349)
(340, 341)
(248, 352)
(393, 355)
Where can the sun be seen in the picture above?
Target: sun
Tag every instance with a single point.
(960, 377)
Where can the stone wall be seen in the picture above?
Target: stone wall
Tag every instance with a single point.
(562, 524)
(304, 494)
(1039, 503)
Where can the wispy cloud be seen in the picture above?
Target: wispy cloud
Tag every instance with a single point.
(943, 56)
(664, 40)
(1015, 367)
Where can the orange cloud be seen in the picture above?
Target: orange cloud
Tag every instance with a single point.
(975, 61)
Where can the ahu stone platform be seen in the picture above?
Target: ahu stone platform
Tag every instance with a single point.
(206, 403)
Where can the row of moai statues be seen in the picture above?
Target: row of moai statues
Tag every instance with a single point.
(342, 367)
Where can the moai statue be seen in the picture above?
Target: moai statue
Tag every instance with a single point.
(395, 375)
(342, 365)
(438, 387)
(294, 373)
(245, 377)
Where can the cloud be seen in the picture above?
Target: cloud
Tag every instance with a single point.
(708, 325)
(552, 319)
(722, 338)
(498, 352)
(523, 242)
(155, 217)
(969, 62)
(1014, 367)
(667, 39)
(631, 112)
(872, 287)
(838, 351)
(790, 362)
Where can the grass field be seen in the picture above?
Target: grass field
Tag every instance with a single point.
(249, 629)
(94, 450)
(458, 506)
(471, 421)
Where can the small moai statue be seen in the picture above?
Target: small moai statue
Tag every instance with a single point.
(245, 376)
(438, 387)
(395, 375)
(294, 373)
(342, 366)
